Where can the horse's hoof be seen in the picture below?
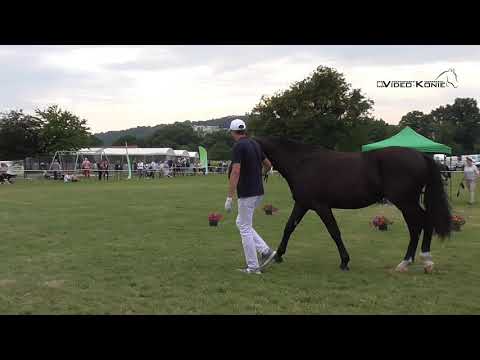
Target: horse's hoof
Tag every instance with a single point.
(278, 259)
(344, 267)
(401, 268)
(428, 268)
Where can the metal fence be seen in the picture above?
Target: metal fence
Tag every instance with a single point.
(112, 174)
(451, 179)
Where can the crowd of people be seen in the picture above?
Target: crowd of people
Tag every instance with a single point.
(102, 169)
(6, 175)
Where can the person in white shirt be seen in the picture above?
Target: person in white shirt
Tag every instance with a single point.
(470, 175)
(166, 169)
(86, 166)
(140, 168)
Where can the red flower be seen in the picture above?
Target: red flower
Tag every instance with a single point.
(269, 207)
(380, 221)
(458, 220)
(215, 217)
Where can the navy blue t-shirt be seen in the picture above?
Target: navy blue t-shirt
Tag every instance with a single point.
(249, 155)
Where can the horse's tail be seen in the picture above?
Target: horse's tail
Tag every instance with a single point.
(436, 202)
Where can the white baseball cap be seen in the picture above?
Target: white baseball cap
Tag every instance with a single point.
(238, 125)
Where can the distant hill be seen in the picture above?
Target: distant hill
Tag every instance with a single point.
(143, 131)
(223, 122)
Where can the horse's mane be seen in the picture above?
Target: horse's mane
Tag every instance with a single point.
(293, 146)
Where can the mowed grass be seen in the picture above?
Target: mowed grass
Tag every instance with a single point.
(145, 247)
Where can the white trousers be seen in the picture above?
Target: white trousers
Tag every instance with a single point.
(251, 241)
(471, 189)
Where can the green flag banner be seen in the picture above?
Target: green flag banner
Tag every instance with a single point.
(203, 158)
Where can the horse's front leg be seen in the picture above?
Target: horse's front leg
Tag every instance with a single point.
(295, 217)
(325, 213)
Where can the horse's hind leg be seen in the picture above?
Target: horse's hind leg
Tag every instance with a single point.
(427, 239)
(414, 216)
(295, 217)
(328, 219)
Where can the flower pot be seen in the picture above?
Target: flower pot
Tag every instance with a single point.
(213, 222)
(456, 227)
(269, 212)
(383, 227)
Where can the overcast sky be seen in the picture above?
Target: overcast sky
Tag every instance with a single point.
(117, 87)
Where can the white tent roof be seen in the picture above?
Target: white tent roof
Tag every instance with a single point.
(181, 153)
(131, 151)
(193, 155)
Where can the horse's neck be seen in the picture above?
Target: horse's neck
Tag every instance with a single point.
(290, 164)
(285, 165)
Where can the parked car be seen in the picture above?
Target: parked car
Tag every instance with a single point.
(476, 159)
(455, 163)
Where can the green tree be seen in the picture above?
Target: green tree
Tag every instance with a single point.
(94, 141)
(62, 130)
(420, 122)
(220, 151)
(219, 145)
(320, 109)
(20, 135)
(365, 130)
(130, 140)
(458, 124)
(176, 136)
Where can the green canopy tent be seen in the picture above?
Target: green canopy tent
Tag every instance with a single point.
(411, 139)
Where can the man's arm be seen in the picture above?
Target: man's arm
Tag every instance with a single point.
(234, 176)
(267, 165)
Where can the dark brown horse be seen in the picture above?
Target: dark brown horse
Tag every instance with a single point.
(320, 180)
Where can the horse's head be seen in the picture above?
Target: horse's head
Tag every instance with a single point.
(450, 77)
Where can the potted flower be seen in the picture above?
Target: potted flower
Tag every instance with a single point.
(457, 222)
(214, 218)
(381, 222)
(269, 209)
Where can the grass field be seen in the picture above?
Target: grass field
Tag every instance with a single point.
(145, 247)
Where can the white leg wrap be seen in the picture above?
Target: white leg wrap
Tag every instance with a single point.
(403, 266)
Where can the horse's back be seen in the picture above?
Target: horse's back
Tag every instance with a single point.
(339, 179)
(355, 180)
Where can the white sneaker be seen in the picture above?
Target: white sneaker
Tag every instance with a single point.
(266, 259)
(248, 270)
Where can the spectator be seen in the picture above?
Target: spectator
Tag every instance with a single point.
(153, 167)
(104, 168)
(6, 174)
(470, 175)
(158, 168)
(118, 171)
(99, 170)
(86, 166)
(70, 178)
(140, 168)
(56, 169)
(166, 169)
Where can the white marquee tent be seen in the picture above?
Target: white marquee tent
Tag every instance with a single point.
(119, 151)
(181, 153)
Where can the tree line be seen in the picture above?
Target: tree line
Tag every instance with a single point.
(46, 131)
(323, 109)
